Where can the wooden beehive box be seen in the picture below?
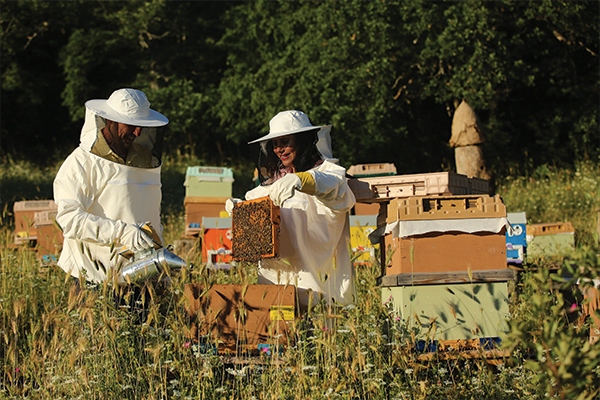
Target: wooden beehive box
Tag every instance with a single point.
(452, 312)
(240, 318)
(197, 208)
(255, 230)
(370, 170)
(550, 239)
(384, 188)
(208, 182)
(443, 252)
(445, 207)
(35, 222)
(445, 246)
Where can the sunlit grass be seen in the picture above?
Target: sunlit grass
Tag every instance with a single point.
(56, 342)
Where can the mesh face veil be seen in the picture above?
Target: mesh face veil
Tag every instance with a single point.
(269, 166)
(152, 139)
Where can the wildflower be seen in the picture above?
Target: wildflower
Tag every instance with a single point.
(573, 307)
(187, 345)
(443, 371)
(408, 371)
(17, 369)
(238, 373)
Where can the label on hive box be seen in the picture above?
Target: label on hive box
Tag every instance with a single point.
(282, 313)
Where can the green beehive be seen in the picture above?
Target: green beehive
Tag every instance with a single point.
(451, 312)
(208, 182)
(550, 239)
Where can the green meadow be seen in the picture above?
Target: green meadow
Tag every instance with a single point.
(60, 343)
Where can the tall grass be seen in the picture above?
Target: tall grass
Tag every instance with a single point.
(60, 342)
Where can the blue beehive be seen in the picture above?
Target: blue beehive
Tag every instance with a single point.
(516, 238)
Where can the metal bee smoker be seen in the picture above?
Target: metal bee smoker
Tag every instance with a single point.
(148, 264)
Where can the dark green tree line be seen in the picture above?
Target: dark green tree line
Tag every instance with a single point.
(387, 74)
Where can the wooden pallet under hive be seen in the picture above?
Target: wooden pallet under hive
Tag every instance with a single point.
(255, 230)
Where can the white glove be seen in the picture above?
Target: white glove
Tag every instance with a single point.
(229, 205)
(284, 188)
(135, 239)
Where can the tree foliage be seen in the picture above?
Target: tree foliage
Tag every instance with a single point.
(387, 74)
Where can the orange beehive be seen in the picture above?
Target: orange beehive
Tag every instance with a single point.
(216, 241)
(255, 230)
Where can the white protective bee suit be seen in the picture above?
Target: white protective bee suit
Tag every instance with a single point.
(314, 230)
(102, 203)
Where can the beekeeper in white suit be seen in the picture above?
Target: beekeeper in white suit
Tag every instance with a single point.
(298, 172)
(110, 185)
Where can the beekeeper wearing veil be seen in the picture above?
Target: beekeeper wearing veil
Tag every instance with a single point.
(109, 186)
(298, 172)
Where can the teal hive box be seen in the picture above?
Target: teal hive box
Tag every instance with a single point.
(208, 182)
(452, 312)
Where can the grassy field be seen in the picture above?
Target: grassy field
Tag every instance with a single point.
(60, 343)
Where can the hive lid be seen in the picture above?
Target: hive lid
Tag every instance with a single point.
(216, 223)
(372, 170)
(215, 174)
(517, 218)
(363, 220)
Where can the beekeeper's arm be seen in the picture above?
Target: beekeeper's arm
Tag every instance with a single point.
(329, 187)
(73, 195)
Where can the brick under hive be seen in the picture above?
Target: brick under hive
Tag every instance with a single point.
(255, 230)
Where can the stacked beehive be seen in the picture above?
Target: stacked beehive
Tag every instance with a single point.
(443, 254)
(35, 225)
(216, 242)
(206, 191)
(361, 226)
(364, 220)
(369, 171)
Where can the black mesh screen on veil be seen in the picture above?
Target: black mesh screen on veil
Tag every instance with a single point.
(152, 139)
(307, 156)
